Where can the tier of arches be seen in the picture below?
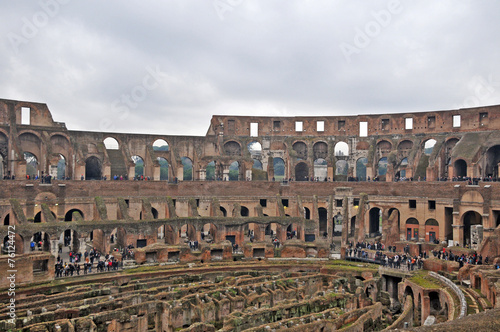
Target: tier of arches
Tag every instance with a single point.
(302, 160)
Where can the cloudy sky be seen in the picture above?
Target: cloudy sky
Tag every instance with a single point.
(167, 66)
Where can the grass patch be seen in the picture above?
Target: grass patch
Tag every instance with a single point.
(423, 279)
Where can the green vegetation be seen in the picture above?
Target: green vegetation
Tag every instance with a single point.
(423, 279)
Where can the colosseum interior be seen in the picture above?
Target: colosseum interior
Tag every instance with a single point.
(263, 224)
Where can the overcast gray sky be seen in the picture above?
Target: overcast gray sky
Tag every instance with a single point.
(167, 66)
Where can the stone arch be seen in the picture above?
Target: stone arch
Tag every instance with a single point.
(382, 168)
(428, 146)
(244, 211)
(118, 237)
(320, 169)
(361, 168)
(384, 147)
(232, 148)
(434, 303)
(492, 159)
(111, 143)
(187, 232)
(139, 166)
(38, 217)
(161, 145)
(254, 148)
(18, 243)
(375, 221)
(405, 146)
(154, 213)
(301, 171)
(307, 213)
(6, 219)
(234, 171)
(42, 241)
(187, 166)
(341, 149)
(363, 146)
(460, 168)
(223, 210)
(163, 168)
(472, 235)
(70, 217)
(412, 227)
(300, 149)
(320, 150)
(209, 233)
(32, 164)
(431, 230)
(279, 168)
(472, 197)
(93, 168)
(30, 142)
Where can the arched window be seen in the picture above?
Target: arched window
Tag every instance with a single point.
(111, 144)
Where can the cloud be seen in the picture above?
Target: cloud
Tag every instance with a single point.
(256, 58)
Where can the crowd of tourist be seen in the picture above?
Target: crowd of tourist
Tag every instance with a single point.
(473, 258)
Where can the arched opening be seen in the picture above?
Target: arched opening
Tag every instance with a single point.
(160, 145)
(300, 149)
(341, 149)
(244, 211)
(255, 149)
(40, 241)
(111, 144)
(61, 168)
(93, 168)
(139, 166)
(301, 172)
(341, 168)
(17, 242)
(187, 233)
(412, 226)
(154, 213)
(187, 165)
(320, 150)
(429, 146)
(4, 143)
(353, 226)
(307, 213)
(432, 230)
(6, 220)
(492, 161)
(320, 169)
(279, 168)
(73, 215)
(472, 223)
(375, 222)
(38, 217)
(361, 168)
(382, 168)
(434, 303)
(232, 148)
(31, 165)
(460, 168)
(234, 171)
(210, 171)
(223, 210)
(118, 238)
(257, 164)
(408, 291)
(209, 233)
(163, 168)
(323, 222)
